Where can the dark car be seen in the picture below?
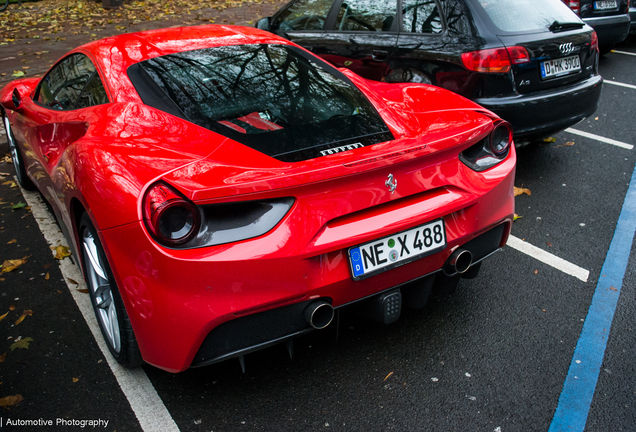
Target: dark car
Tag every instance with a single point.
(609, 18)
(632, 17)
(533, 62)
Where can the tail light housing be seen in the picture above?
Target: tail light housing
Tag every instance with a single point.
(491, 150)
(176, 222)
(495, 60)
(575, 5)
(170, 218)
(594, 42)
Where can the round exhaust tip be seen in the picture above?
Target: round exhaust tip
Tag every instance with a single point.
(460, 260)
(318, 314)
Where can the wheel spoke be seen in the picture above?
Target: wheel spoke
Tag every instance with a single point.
(91, 252)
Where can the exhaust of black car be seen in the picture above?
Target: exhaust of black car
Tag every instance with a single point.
(318, 314)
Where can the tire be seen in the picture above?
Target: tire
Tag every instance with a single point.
(3, 4)
(107, 303)
(604, 49)
(16, 156)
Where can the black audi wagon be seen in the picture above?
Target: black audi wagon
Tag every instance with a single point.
(533, 62)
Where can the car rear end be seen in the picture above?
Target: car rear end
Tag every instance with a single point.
(609, 18)
(543, 66)
(263, 239)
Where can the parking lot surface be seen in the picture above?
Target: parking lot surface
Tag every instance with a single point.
(494, 356)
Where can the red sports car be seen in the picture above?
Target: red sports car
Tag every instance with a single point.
(227, 190)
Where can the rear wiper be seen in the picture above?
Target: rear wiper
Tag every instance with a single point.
(557, 26)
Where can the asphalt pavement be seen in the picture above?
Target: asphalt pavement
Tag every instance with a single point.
(493, 357)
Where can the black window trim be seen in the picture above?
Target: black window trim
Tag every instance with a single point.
(442, 15)
(36, 94)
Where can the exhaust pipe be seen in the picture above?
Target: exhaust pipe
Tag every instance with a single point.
(318, 314)
(459, 261)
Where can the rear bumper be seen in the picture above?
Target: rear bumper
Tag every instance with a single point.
(196, 307)
(611, 29)
(542, 113)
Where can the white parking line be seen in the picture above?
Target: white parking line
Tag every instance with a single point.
(616, 83)
(624, 52)
(142, 396)
(548, 258)
(600, 138)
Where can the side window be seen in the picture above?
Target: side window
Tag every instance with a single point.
(366, 15)
(421, 16)
(304, 15)
(93, 94)
(62, 86)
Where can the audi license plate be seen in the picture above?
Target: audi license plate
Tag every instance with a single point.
(605, 4)
(398, 249)
(560, 67)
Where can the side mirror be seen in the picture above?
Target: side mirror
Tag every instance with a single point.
(264, 23)
(16, 99)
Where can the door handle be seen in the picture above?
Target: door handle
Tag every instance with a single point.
(379, 55)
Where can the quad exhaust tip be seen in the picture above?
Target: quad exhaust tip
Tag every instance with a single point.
(318, 314)
(459, 261)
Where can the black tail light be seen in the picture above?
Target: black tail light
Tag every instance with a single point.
(491, 150)
(171, 218)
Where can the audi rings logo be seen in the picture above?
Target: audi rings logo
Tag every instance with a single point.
(566, 48)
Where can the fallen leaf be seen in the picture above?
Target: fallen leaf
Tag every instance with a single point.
(595, 118)
(3, 357)
(22, 344)
(17, 74)
(8, 401)
(75, 380)
(18, 206)
(12, 241)
(3, 316)
(536, 271)
(46, 277)
(549, 139)
(569, 143)
(613, 289)
(519, 191)
(516, 217)
(26, 313)
(83, 290)
(73, 281)
(12, 307)
(61, 252)
(10, 265)
(385, 378)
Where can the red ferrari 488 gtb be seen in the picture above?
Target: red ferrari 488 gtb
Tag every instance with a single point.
(226, 190)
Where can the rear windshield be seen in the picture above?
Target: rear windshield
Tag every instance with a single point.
(520, 16)
(273, 98)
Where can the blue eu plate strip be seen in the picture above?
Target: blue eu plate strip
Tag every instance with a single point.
(580, 383)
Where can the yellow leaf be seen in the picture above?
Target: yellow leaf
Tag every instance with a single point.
(3, 316)
(549, 139)
(519, 191)
(10, 265)
(517, 217)
(8, 401)
(12, 307)
(386, 377)
(23, 316)
(46, 277)
(61, 252)
(75, 380)
(12, 241)
(569, 143)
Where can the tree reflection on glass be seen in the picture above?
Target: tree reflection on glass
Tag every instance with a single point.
(275, 93)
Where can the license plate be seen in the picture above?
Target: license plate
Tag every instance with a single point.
(561, 66)
(398, 249)
(605, 4)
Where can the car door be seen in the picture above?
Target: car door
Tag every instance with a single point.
(361, 35)
(52, 119)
